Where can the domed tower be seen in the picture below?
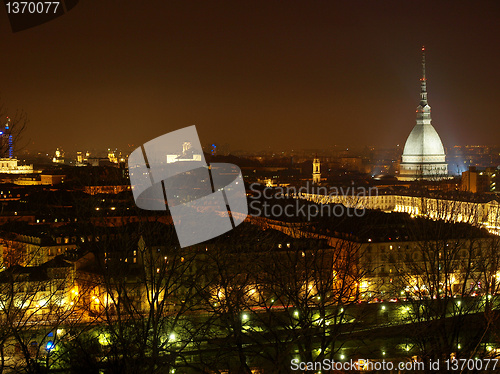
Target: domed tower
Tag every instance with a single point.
(423, 155)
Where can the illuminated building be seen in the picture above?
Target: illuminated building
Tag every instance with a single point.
(31, 248)
(6, 146)
(40, 287)
(268, 182)
(385, 260)
(58, 156)
(423, 154)
(188, 154)
(316, 171)
(115, 156)
(81, 158)
(51, 179)
(10, 166)
(106, 189)
(480, 180)
(484, 213)
(112, 156)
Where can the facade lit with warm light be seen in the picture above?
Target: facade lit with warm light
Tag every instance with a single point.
(485, 214)
(11, 166)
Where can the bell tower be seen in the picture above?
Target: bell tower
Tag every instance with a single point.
(316, 171)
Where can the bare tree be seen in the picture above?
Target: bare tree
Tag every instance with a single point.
(39, 305)
(142, 289)
(13, 127)
(447, 276)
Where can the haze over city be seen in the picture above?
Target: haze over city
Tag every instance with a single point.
(254, 187)
(258, 75)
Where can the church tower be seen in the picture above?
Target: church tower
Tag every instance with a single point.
(423, 155)
(316, 171)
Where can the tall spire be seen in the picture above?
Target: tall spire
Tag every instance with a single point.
(423, 82)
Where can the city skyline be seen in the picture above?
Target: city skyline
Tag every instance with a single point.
(287, 77)
(249, 187)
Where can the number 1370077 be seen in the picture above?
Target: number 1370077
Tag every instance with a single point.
(471, 364)
(25, 7)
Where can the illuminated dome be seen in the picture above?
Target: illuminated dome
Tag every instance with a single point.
(423, 155)
(423, 141)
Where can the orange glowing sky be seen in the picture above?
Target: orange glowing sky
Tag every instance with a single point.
(254, 74)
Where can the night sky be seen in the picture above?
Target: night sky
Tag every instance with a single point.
(255, 74)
